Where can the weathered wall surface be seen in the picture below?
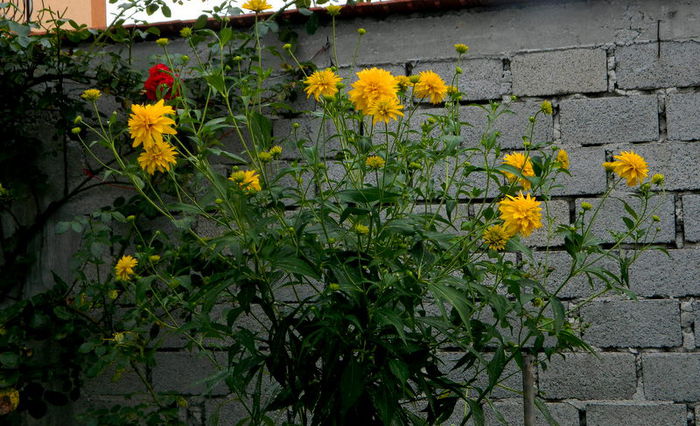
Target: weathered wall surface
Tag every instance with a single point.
(621, 75)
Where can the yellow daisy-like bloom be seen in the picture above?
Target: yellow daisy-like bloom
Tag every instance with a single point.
(124, 268)
(9, 401)
(430, 85)
(148, 123)
(385, 109)
(521, 214)
(630, 166)
(521, 162)
(375, 162)
(496, 237)
(372, 84)
(322, 83)
(91, 94)
(257, 5)
(160, 157)
(563, 159)
(247, 180)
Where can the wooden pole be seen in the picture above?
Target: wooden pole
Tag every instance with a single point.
(528, 390)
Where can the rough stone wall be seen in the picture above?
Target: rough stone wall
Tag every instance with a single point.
(621, 75)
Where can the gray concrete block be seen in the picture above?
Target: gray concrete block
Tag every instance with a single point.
(676, 275)
(114, 381)
(677, 161)
(633, 323)
(313, 131)
(610, 217)
(561, 71)
(512, 126)
(186, 373)
(639, 66)
(587, 175)
(609, 120)
(691, 217)
(551, 268)
(481, 78)
(671, 376)
(682, 118)
(511, 411)
(554, 213)
(636, 413)
(588, 376)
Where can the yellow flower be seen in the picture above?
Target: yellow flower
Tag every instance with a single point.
(361, 229)
(521, 162)
(521, 214)
(162, 42)
(124, 268)
(91, 95)
(630, 166)
(546, 107)
(9, 401)
(247, 180)
(148, 123)
(658, 179)
(257, 5)
(385, 109)
(496, 237)
(276, 151)
(563, 159)
(160, 156)
(430, 85)
(186, 32)
(322, 83)
(403, 82)
(334, 9)
(375, 162)
(372, 84)
(461, 48)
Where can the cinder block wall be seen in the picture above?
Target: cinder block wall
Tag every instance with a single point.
(621, 75)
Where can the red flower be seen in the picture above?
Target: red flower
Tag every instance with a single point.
(160, 80)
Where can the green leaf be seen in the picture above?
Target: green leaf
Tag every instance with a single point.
(545, 412)
(294, 265)
(367, 195)
(559, 313)
(9, 359)
(217, 82)
(351, 385)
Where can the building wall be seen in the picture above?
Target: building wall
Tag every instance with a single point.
(621, 75)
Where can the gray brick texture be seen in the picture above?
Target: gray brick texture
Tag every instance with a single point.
(481, 78)
(691, 217)
(637, 414)
(588, 376)
(682, 118)
(512, 126)
(559, 72)
(639, 66)
(609, 120)
(630, 323)
(674, 275)
(671, 376)
(185, 373)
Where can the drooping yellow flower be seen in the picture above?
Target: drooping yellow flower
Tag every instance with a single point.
(430, 85)
(385, 109)
(372, 84)
(160, 156)
(563, 159)
(9, 401)
(247, 180)
(257, 5)
(496, 237)
(375, 162)
(322, 83)
(521, 214)
(630, 166)
(124, 268)
(521, 162)
(148, 123)
(91, 94)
